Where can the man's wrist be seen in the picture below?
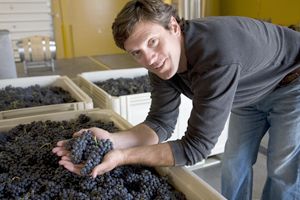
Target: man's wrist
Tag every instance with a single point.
(113, 139)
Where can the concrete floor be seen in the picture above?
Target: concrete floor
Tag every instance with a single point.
(72, 67)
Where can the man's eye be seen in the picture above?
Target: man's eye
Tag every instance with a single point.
(136, 54)
(153, 42)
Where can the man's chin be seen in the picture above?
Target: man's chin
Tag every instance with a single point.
(166, 75)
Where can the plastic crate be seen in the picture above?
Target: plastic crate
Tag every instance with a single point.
(125, 105)
(181, 178)
(83, 100)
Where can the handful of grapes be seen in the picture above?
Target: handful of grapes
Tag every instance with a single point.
(89, 150)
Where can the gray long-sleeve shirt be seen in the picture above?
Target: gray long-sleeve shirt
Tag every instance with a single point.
(232, 62)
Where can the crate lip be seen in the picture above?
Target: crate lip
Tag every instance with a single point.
(82, 99)
(6, 124)
(115, 73)
(179, 177)
(25, 81)
(86, 98)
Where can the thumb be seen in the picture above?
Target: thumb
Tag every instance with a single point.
(101, 169)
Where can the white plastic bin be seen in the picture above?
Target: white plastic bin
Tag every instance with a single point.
(83, 100)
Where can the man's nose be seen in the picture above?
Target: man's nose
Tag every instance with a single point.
(150, 57)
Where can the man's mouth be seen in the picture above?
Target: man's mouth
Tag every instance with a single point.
(160, 66)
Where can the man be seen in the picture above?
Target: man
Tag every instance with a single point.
(236, 65)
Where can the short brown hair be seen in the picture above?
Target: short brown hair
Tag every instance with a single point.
(141, 10)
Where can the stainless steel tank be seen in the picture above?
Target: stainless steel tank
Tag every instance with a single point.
(7, 62)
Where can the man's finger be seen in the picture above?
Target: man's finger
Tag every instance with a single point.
(100, 169)
(60, 151)
(70, 166)
(78, 133)
(56, 149)
(66, 158)
(61, 143)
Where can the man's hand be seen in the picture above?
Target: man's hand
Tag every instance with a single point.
(111, 160)
(137, 145)
(60, 149)
(98, 132)
(64, 153)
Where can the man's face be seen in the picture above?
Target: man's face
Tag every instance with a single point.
(156, 48)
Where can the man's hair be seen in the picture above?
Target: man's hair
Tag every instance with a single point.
(141, 10)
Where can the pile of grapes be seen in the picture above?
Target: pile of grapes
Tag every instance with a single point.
(29, 169)
(18, 97)
(125, 86)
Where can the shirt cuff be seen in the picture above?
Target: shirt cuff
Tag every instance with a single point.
(161, 133)
(178, 153)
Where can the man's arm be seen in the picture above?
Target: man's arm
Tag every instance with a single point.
(138, 135)
(138, 145)
(150, 155)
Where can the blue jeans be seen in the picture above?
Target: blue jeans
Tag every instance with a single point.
(279, 114)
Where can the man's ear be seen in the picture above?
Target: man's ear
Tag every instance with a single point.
(174, 26)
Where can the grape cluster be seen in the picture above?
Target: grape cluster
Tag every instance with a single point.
(89, 150)
(125, 86)
(30, 171)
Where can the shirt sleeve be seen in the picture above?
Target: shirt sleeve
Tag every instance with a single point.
(214, 89)
(164, 109)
